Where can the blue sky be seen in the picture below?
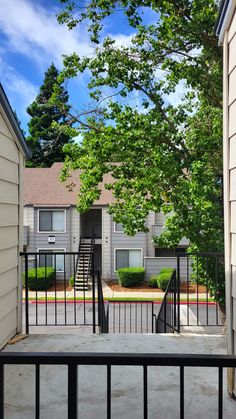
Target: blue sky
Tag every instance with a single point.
(31, 38)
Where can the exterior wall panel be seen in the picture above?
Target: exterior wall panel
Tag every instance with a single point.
(11, 162)
(106, 244)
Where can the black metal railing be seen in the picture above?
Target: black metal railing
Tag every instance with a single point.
(103, 308)
(136, 316)
(167, 320)
(143, 360)
(56, 304)
(200, 280)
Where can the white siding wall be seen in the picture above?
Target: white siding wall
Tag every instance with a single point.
(230, 182)
(11, 162)
(29, 222)
(75, 229)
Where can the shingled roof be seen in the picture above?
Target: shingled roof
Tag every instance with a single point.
(43, 188)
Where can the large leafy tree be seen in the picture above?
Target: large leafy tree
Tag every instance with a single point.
(170, 152)
(46, 138)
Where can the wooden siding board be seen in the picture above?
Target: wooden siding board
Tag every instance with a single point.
(8, 281)
(232, 118)
(233, 185)
(232, 28)
(8, 259)
(232, 86)
(8, 237)
(8, 327)
(233, 217)
(232, 55)
(8, 215)
(8, 303)
(232, 152)
(8, 193)
(8, 149)
(8, 170)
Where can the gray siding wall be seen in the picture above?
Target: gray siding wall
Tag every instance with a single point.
(106, 244)
(120, 240)
(62, 240)
(154, 265)
(11, 168)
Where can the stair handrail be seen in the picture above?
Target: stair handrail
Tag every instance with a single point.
(77, 260)
(170, 301)
(103, 308)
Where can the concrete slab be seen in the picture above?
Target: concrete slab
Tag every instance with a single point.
(127, 393)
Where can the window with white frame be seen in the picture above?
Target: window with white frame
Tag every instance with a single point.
(51, 260)
(52, 221)
(119, 228)
(128, 258)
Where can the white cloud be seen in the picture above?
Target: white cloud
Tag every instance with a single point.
(34, 31)
(20, 91)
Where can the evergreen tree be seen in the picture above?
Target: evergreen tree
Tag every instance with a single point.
(46, 140)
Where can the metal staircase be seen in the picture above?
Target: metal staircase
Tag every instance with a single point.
(84, 264)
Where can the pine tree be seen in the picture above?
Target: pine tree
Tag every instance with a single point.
(47, 140)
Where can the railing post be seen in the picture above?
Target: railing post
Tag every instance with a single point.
(93, 295)
(178, 293)
(72, 392)
(26, 295)
(2, 391)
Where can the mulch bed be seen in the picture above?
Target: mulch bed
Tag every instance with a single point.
(191, 288)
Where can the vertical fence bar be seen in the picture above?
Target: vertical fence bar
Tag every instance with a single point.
(72, 391)
(108, 392)
(74, 275)
(36, 282)
(152, 317)
(145, 393)
(197, 293)
(207, 292)
(93, 294)
(220, 393)
(188, 307)
(178, 293)
(181, 392)
(85, 279)
(216, 274)
(26, 295)
(46, 293)
(64, 261)
(55, 286)
(1, 391)
(37, 391)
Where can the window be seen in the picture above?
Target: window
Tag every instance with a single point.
(52, 221)
(119, 228)
(127, 258)
(51, 260)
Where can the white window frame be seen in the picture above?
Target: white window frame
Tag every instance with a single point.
(53, 210)
(128, 248)
(63, 249)
(118, 231)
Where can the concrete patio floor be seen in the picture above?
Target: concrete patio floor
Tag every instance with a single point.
(127, 392)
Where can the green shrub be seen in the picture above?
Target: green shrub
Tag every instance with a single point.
(167, 271)
(129, 277)
(153, 282)
(72, 281)
(43, 280)
(163, 280)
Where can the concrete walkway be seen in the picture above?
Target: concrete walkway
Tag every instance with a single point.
(201, 384)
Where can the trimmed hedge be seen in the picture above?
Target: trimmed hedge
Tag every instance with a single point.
(164, 277)
(129, 277)
(153, 282)
(43, 281)
(167, 271)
